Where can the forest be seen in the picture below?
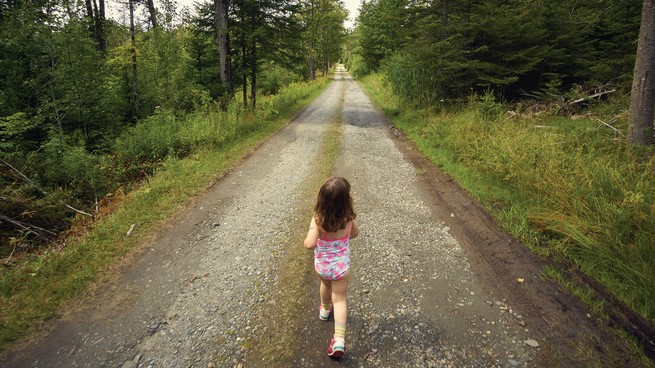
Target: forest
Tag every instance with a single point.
(525, 100)
(448, 49)
(90, 104)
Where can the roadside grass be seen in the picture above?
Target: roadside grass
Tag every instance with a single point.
(585, 352)
(569, 189)
(583, 293)
(285, 328)
(41, 285)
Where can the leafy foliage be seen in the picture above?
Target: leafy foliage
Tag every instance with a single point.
(448, 49)
(70, 133)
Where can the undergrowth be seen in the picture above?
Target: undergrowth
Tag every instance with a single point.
(569, 188)
(38, 285)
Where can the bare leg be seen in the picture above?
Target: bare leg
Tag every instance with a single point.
(339, 289)
(326, 292)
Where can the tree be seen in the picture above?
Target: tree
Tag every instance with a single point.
(267, 31)
(221, 10)
(382, 26)
(642, 96)
(153, 13)
(204, 52)
(135, 81)
(95, 13)
(331, 36)
(323, 33)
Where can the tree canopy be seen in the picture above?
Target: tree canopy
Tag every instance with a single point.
(446, 48)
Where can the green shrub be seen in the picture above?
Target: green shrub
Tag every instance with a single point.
(418, 85)
(149, 142)
(487, 107)
(72, 167)
(274, 77)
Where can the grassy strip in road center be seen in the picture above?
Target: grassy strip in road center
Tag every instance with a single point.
(286, 326)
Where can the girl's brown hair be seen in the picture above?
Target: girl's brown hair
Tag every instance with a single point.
(334, 206)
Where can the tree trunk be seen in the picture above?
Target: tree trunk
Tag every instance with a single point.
(153, 13)
(444, 20)
(54, 97)
(253, 57)
(101, 27)
(221, 8)
(89, 15)
(51, 82)
(135, 82)
(312, 63)
(98, 20)
(642, 96)
(230, 72)
(253, 73)
(244, 64)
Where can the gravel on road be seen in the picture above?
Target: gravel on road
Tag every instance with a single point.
(413, 298)
(426, 289)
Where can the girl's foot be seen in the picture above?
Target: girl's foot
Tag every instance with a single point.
(337, 348)
(324, 314)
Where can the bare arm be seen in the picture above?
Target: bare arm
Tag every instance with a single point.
(354, 230)
(312, 235)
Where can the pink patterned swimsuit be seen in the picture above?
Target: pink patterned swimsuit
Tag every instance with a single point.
(332, 257)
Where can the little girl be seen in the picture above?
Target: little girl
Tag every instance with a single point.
(330, 230)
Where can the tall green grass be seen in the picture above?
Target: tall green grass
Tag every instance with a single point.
(37, 286)
(570, 189)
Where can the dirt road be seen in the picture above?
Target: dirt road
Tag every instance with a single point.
(434, 280)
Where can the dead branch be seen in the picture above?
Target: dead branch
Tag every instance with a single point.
(609, 126)
(16, 223)
(596, 95)
(76, 210)
(17, 172)
(29, 227)
(41, 190)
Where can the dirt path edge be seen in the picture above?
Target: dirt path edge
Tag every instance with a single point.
(500, 260)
